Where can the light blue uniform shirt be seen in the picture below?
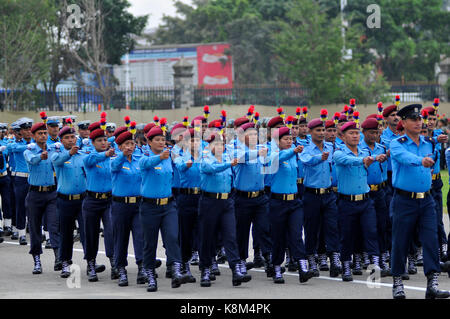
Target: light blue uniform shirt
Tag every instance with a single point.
(188, 177)
(69, 171)
(249, 171)
(175, 153)
(350, 170)
(126, 176)
(284, 181)
(215, 177)
(51, 141)
(375, 172)
(41, 171)
(386, 137)
(156, 176)
(317, 172)
(4, 154)
(18, 148)
(408, 173)
(98, 172)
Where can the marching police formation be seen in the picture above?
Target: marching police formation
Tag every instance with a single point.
(326, 194)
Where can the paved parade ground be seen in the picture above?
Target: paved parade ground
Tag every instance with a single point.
(17, 281)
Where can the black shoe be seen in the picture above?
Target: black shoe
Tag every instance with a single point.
(187, 273)
(2, 233)
(292, 266)
(398, 291)
(303, 273)
(221, 256)
(205, 281)
(15, 235)
(412, 269)
(177, 277)
(123, 277)
(277, 276)
(249, 265)
(114, 273)
(158, 264)
(168, 271)
(7, 231)
(92, 275)
(313, 266)
(258, 260)
(346, 271)
(323, 265)
(151, 278)
(419, 256)
(215, 268)
(443, 252)
(194, 259)
(405, 276)
(357, 267)
(335, 265)
(244, 273)
(42, 238)
(237, 278)
(99, 268)
(58, 263)
(65, 273)
(1, 240)
(445, 267)
(37, 265)
(366, 260)
(384, 265)
(23, 240)
(432, 288)
(141, 275)
(47, 244)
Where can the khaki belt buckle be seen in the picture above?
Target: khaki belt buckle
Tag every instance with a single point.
(224, 195)
(103, 196)
(359, 197)
(163, 201)
(322, 191)
(289, 197)
(132, 200)
(75, 197)
(420, 195)
(374, 187)
(335, 189)
(254, 194)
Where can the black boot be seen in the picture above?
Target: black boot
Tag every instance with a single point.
(445, 267)
(291, 264)
(187, 273)
(58, 264)
(443, 253)
(237, 278)
(141, 275)
(323, 265)
(366, 260)
(346, 271)
(398, 291)
(48, 245)
(412, 269)
(215, 268)
(384, 265)
(303, 273)
(194, 259)
(15, 235)
(432, 288)
(419, 256)
(65, 273)
(313, 266)
(258, 260)
(268, 267)
(244, 273)
(114, 271)
(92, 275)
(357, 267)
(37, 265)
(7, 231)
(158, 264)
(177, 277)
(277, 276)
(23, 240)
(221, 256)
(151, 278)
(1, 240)
(168, 271)
(123, 277)
(205, 280)
(335, 265)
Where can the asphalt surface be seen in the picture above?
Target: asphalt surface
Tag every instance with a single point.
(17, 281)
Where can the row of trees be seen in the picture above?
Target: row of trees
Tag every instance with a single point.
(47, 41)
(301, 41)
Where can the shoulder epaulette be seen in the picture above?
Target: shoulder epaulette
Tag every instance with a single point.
(429, 139)
(402, 139)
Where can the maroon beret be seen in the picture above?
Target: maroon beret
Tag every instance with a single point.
(214, 136)
(280, 132)
(330, 124)
(388, 110)
(400, 126)
(155, 131)
(343, 119)
(94, 126)
(370, 124)
(302, 120)
(66, 130)
(124, 136)
(275, 121)
(241, 120)
(431, 110)
(295, 121)
(148, 127)
(120, 130)
(350, 126)
(315, 123)
(177, 128)
(212, 124)
(199, 118)
(38, 126)
(96, 133)
(246, 126)
(189, 133)
(372, 116)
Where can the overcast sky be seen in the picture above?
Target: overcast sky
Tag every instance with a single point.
(155, 8)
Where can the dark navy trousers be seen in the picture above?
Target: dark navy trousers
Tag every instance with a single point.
(436, 192)
(321, 213)
(217, 215)
(94, 210)
(69, 211)
(5, 194)
(382, 214)
(39, 204)
(354, 217)
(407, 213)
(125, 219)
(12, 199)
(21, 187)
(187, 221)
(164, 218)
(286, 224)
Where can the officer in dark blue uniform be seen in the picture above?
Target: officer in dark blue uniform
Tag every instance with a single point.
(53, 130)
(412, 204)
(41, 198)
(83, 132)
(97, 204)
(5, 192)
(12, 168)
(126, 184)
(158, 210)
(355, 207)
(319, 198)
(286, 211)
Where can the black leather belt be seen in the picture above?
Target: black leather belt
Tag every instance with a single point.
(413, 195)
(190, 191)
(267, 189)
(250, 194)
(99, 195)
(72, 197)
(158, 201)
(286, 197)
(319, 191)
(217, 195)
(127, 200)
(42, 188)
(436, 176)
(354, 198)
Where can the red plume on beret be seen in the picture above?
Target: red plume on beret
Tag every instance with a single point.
(290, 118)
(397, 97)
(206, 108)
(218, 124)
(298, 110)
(163, 121)
(156, 118)
(103, 115)
(69, 120)
(279, 110)
(323, 112)
(346, 108)
(352, 102)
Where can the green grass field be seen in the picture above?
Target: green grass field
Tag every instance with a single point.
(444, 175)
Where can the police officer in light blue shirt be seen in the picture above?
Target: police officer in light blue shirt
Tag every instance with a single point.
(41, 198)
(5, 193)
(412, 204)
(355, 206)
(53, 130)
(12, 167)
(319, 198)
(83, 133)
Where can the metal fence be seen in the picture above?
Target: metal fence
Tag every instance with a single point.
(87, 100)
(416, 91)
